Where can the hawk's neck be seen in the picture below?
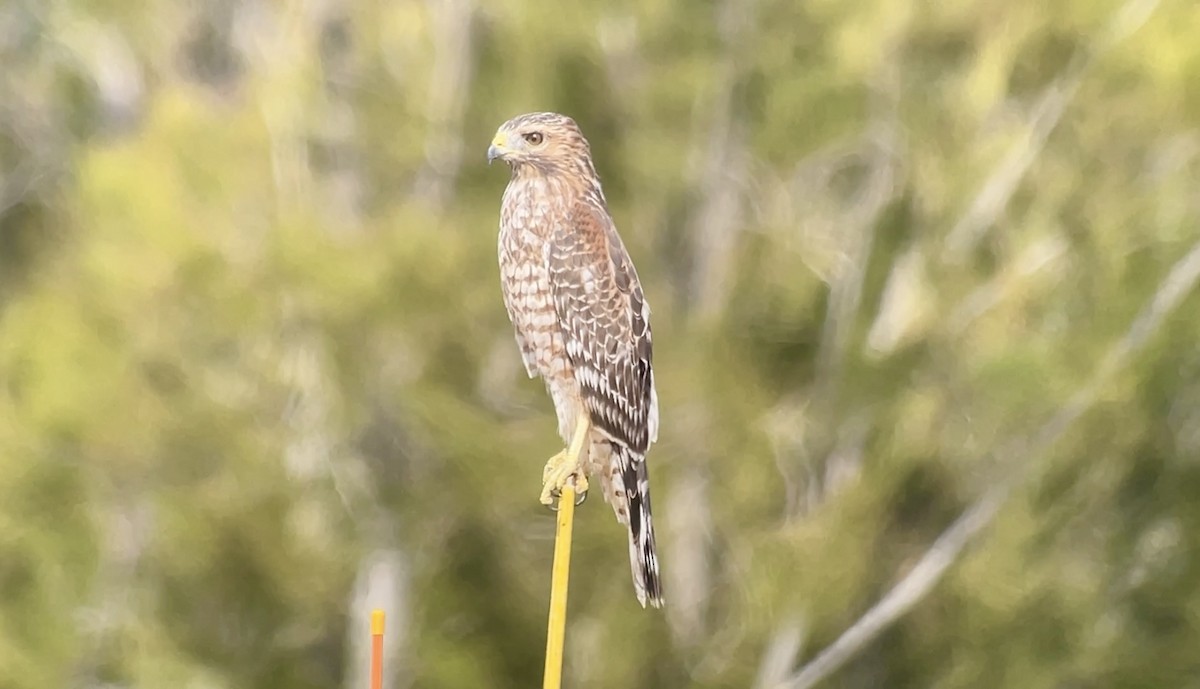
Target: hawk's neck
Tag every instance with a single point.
(557, 186)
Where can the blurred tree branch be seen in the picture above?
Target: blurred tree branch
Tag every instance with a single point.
(450, 78)
(947, 549)
(1004, 179)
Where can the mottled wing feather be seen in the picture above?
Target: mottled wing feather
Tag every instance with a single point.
(605, 322)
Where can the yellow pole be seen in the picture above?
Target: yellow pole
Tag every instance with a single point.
(556, 629)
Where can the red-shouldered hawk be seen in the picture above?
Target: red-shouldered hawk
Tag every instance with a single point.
(582, 323)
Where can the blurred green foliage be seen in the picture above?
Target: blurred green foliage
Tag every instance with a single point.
(257, 377)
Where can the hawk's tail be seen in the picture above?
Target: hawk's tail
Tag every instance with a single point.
(643, 555)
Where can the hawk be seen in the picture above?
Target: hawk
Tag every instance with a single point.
(582, 323)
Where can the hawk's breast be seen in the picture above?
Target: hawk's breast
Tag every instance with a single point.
(526, 223)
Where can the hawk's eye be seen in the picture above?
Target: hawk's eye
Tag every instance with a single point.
(534, 138)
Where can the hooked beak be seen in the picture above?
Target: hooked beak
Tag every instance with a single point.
(499, 147)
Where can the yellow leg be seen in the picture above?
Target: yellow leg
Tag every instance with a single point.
(564, 468)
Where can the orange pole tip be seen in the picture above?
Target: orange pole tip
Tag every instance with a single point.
(376, 649)
(377, 623)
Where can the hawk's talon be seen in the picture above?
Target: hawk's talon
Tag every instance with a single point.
(561, 476)
(552, 464)
(580, 498)
(567, 469)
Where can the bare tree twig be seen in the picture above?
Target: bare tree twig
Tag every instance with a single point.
(858, 228)
(1034, 259)
(782, 649)
(1181, 281)
(688, 547)
(722, 161)
(991, 200)
(453, 62)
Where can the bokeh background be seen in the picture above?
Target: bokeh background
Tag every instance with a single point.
(923, 277)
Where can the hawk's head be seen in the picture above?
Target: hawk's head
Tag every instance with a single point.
(545, 141)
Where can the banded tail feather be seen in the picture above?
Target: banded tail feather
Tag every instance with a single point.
(643, 553)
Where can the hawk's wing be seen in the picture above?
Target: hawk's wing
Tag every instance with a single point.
(605, 324)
